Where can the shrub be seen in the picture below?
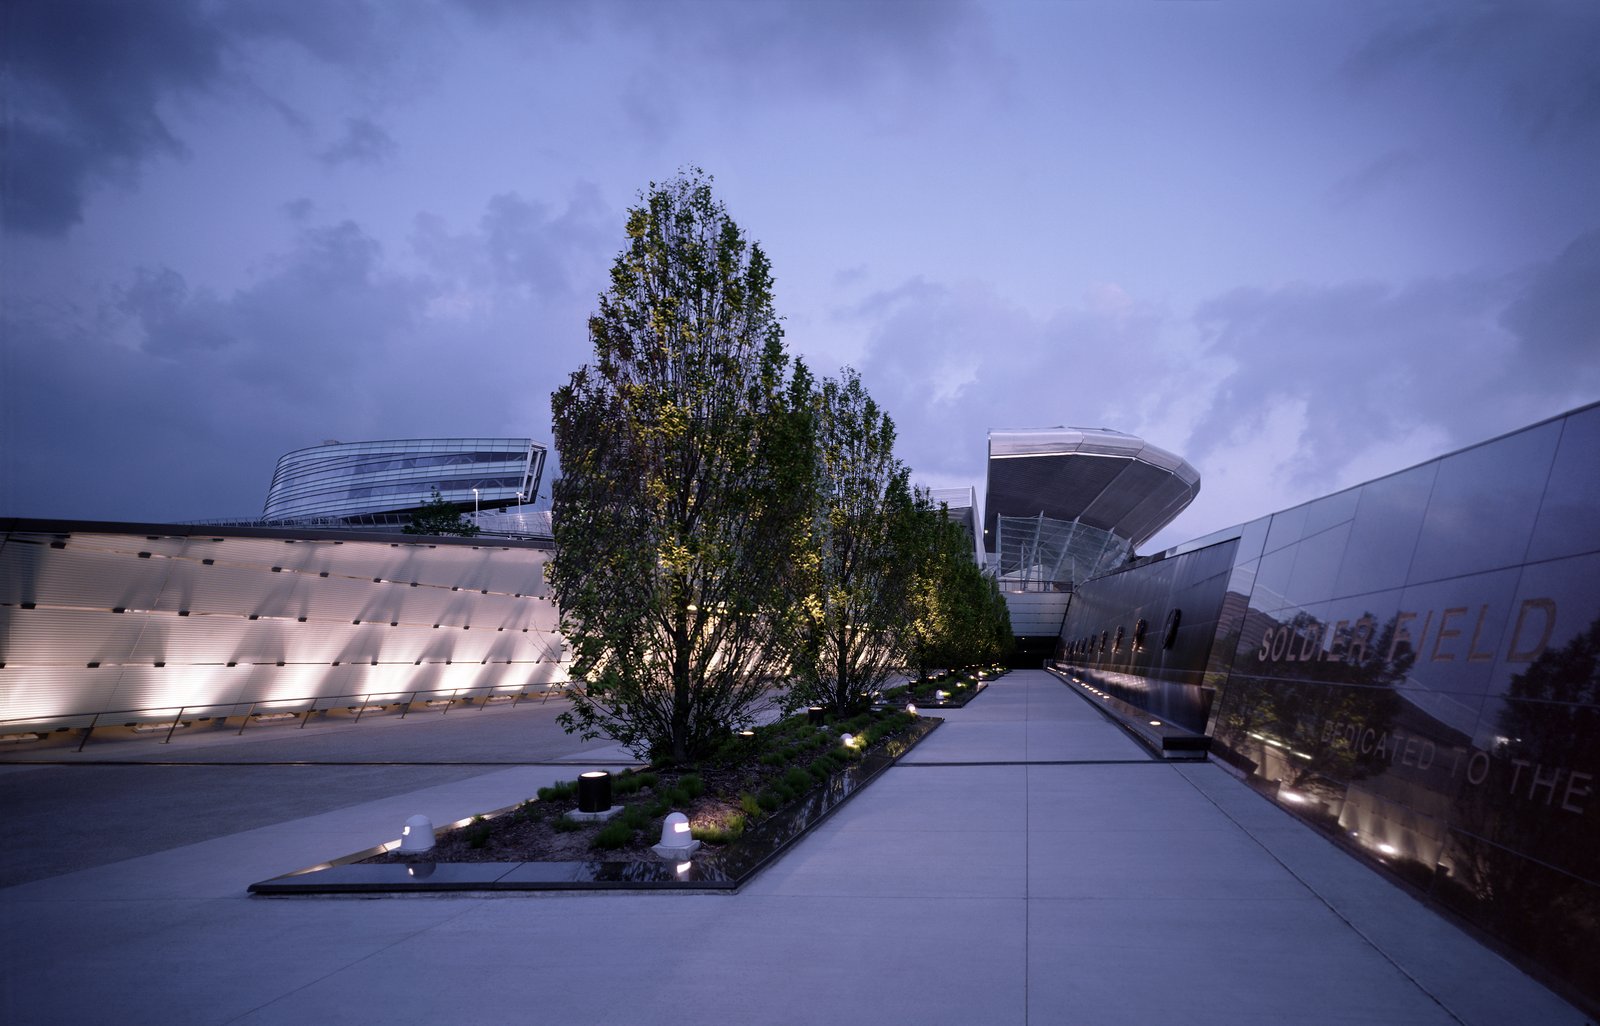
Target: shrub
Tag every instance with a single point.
(750, 804)
(691, 785)
(769, 799)
(477, 833)
(566, 826)
(798, 780)
(616, 834)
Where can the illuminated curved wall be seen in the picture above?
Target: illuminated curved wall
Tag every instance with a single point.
(1413, 666)
(143, 620)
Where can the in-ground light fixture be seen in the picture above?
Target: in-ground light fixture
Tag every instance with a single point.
(676, 843)
(417, 834)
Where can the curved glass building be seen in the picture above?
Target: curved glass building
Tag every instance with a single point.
(361, 480)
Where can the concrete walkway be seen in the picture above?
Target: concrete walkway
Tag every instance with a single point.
(1027, 864)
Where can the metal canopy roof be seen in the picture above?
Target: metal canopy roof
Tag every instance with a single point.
(1099, 477)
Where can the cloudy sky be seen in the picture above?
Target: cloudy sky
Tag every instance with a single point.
(1300, 244)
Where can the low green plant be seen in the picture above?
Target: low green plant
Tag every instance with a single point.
(477, 832)
(750, 804)
(616, 834)
(560, 791)
(566, 826)
(691, 785)
(719, 833)
(770, 800)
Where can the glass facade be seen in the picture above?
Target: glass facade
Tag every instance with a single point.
(1413, 666)
(340, 480)
(1042, 554)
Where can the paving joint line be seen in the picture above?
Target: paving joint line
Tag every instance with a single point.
(1325, 902)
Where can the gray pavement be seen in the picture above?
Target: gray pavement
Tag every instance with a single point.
(1027, 864)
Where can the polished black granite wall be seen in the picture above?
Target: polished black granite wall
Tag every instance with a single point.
(1413, 665)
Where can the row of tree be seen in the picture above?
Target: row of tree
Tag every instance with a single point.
(726, 526)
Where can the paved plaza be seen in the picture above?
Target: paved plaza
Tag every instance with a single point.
(1027, 863)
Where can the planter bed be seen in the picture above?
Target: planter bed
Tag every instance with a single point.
(959, 689)
(721, 867)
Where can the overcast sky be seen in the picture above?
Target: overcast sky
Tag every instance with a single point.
(1300, 244)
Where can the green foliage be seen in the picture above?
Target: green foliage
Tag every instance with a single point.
(861, 573)
(729, 829)
(563, 825)
(632, 783)
(957, 615)
(687, 482)
(438, 517)
(691, 785)
(751, 805)
(616, 834)
(560, 791)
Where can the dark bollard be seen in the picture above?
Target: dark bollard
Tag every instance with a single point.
(594, 791)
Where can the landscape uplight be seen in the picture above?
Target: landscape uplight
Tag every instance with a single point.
(676, 843)
(417, 834)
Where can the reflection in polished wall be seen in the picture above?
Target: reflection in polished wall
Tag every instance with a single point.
(146, 621)
(1413, 665)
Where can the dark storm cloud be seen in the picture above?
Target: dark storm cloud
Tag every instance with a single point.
(88, 76)
(889, 59)
(335, 338)
(90, 80)
(1355, 369)
(1368, 362)
(364, 142)
(952, 362)
(1389, 170)
(1557, 316)
(1535, 57)
(172, 321)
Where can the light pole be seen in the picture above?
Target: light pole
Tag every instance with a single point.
(474, 505)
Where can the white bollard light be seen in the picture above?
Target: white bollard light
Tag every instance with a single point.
(417, 835)
(676, 844)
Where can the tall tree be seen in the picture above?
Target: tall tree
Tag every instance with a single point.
(687, 481)
(860, 577)
(957, 615)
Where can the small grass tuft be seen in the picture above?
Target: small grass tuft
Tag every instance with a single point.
(719, 833)
(560, 791)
